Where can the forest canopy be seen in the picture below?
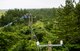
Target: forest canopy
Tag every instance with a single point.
(19, 33)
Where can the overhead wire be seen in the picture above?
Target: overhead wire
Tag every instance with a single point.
(9, 24)
(30, 24)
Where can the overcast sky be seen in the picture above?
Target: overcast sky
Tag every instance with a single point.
(30, 4)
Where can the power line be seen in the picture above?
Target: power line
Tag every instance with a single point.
(23, 17)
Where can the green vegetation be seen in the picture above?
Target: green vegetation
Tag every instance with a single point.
(48, 25)
(2, 12)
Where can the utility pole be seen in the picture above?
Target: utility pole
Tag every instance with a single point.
(49, 48)
(49, 45)
(30, 23)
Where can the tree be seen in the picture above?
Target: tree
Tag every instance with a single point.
(68, 24)
(12, 15)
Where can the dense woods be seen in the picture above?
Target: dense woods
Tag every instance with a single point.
(48, 25)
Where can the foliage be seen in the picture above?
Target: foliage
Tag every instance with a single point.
(48, 25)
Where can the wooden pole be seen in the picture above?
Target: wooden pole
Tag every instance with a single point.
(29, 20)
(49, 47)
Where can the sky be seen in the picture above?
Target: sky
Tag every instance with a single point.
(30, 4)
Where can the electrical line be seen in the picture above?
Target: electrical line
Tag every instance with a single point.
(23, 17)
